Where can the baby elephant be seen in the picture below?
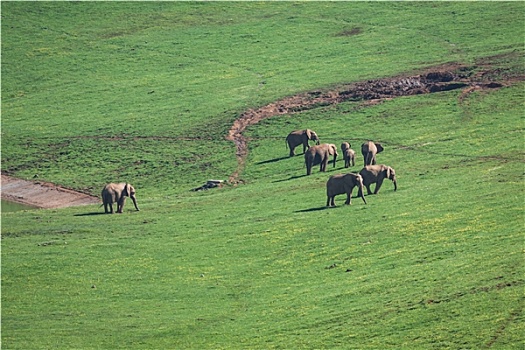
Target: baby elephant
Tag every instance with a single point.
(376, 174)
(348, 154)
(349, 157)
(117, 193)
(343, 183)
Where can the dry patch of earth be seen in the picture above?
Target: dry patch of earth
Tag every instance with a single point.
(42, 194)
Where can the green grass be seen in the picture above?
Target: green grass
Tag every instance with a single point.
(146, 92)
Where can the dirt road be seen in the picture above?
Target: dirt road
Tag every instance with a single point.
(42, 194)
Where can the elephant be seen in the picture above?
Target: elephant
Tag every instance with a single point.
(376, 174)
(369, 150)
(297, 137)
(343, 183)
(319, 154)
(117, 193)
(348, 154)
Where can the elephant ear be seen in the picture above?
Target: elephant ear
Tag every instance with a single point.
(308, 133)
(379, 147)
(127, 190)
(388, 172)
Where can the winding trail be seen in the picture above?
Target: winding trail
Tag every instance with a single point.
(433, 79)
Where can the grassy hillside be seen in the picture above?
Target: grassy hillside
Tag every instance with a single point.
(146, 92)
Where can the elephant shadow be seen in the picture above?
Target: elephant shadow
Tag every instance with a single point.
(290, 178)
(312, 209)
(91, 214)
(272, 160)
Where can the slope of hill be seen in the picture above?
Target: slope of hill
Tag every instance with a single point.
(147, 92)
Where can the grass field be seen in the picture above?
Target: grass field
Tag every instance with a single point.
(146, 92)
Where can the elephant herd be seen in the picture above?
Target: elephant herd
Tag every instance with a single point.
(372, 173)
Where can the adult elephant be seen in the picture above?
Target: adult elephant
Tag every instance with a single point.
(348, 154)
(117, 193)
(297, 137)
(319, 154)
(376, 174)
(343, 183)
(369, 150)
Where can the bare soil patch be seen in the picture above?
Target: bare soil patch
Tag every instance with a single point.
(42, 194)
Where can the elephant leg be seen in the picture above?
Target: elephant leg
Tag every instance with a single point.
(292, 146)
(348, 198)
(323, 165)
(105, 207)
(111, 208)
(378, 185)
(120, 204)
(368, 191)
(330, 201)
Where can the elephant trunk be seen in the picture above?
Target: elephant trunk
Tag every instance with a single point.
(361, 194)
(395, 184)
(360, 186)
(134, 202)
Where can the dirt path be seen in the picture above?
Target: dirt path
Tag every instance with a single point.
(482, 75)
(445, 77)
(42, 194)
